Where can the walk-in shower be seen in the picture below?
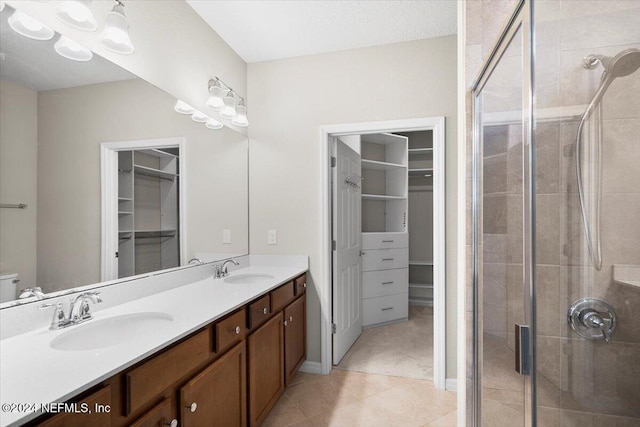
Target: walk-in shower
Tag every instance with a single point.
(556, 218)
(623, 64)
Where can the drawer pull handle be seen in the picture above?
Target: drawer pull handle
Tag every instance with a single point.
(265, 310)
(237, 330)
(286, 323)
(193, 407)
(388, 283)
(387, 241)
(387, 259)
(290, 318)
(304, 285)
(387, 308)
(172, 423)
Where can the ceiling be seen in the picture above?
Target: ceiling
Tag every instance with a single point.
(260, 30)
(34, 64)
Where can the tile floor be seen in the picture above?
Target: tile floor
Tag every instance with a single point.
(403, 349)
(354, 399)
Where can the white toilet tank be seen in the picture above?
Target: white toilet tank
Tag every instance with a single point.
(8, 287)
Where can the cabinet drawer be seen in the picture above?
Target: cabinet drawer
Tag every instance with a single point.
(282, 296)
(300, 284)
(385, 282)
(101, 398)
(153, 377)
(159, 415)
(385, 309)
(259, 311)
(385, 240)
(229, 331)
(385, 259)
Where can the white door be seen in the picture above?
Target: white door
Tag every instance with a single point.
(347, 284)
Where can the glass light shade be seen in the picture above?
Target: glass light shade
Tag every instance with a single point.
(26, 26)
(213, 124)
(241, 117)
(199, 117)
(72, 50)
(216, 96)
(77, 14)
(229, 109)
(183, 108)
(115, 35)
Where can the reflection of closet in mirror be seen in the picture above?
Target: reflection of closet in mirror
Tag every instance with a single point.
(148, 211)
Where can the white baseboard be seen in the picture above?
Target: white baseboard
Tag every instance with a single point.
(311, 367)
(451, 384)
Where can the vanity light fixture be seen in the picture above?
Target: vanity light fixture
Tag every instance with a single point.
(229, 109)
(213, 124)
(199, 117)
(183, 108)
(241, 117)
(72, 50)
(27, 26)
(115, 35)
(77, 14)
(217, 91)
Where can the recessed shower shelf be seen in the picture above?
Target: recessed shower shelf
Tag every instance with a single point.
(627, 275)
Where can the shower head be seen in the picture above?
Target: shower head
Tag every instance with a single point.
(624, 63)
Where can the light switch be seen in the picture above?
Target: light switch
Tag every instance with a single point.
(226, 237)
(272, 237)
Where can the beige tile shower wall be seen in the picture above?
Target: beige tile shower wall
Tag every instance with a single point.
(18, 181)
(291, 98)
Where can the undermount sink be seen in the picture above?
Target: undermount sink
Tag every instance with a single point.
(108, 332)
(249, 278)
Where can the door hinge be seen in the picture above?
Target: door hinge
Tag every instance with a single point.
(523, 366)
(117, 254)
(333, 328)
(333, 245)
(333, 162)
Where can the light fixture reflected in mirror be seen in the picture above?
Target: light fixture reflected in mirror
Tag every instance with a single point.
(115, 35)
(77, 14)
(241, 117)
(183, 108)
(217, 91)
(199, 117)
(27, 26)
(229, 109)
(72, 50)
(213, 124)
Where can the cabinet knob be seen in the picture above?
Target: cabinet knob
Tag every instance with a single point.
(290, 318)
(237, 330)
(286, 323)
(173, 422)
(193, 407)
(304, 285)
(265, 310)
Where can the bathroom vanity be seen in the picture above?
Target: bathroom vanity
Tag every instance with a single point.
(218, 352)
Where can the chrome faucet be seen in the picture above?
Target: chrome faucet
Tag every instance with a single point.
(31, 292)
(197, 260)
(223, 270)
(60, 320)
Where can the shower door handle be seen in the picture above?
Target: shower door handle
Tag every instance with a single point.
(523, 366)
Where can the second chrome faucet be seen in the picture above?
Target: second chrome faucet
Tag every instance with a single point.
(223, 270)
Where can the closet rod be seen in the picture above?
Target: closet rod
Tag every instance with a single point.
(13, 205)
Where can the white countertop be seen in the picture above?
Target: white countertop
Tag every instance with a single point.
(31, 372)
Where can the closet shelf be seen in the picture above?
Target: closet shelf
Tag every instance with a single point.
(382, 197)
(156, 173)
(421, 285)
(125, 199)
(420, 150)
(124, 213)
(158, 153)
(421, 300)
(155, 233)
(376, 165)
(420, 262)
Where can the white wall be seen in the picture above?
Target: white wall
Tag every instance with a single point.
(71, 125)
(18, 162)
(291, 98)
(175, 49)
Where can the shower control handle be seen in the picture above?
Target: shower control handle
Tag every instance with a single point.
(592, 318)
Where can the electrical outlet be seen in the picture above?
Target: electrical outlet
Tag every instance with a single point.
(272, 237)
(226, 237)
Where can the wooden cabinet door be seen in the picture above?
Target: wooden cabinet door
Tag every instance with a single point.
(265, 349)
(295, 344)
(160, 415)
(217, 396)
(99, 403)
